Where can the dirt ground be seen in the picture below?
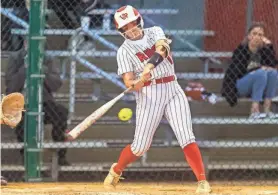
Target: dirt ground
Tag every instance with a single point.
(131, 189)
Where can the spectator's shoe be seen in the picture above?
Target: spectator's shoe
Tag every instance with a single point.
(3, 181)
(257, 115)
(112, 179)
(203, 187)
(271, 115)
(63, 162)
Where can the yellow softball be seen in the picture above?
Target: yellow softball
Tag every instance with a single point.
(125, 114)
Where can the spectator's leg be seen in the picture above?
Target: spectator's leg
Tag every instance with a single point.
(272, 82)
(6, 36)
(244, 86)
(253, 84)
(58, 115)
(74, 8)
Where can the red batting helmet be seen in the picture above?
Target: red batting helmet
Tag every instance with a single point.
(125, 15)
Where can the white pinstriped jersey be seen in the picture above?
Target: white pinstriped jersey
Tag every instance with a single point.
(156, 100)
(132, 56)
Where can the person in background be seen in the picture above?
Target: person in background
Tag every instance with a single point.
(9, 41)
(252, 73)
(87, 6)
(55, 113)
(62, 9)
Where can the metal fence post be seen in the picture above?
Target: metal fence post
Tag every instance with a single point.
(249, 14)
(33, 122)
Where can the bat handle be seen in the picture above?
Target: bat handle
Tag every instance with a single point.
(128, 89)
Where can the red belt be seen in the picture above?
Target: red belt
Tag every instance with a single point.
(161, 80)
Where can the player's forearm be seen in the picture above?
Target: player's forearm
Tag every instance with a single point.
(162, 50)
(135, 84)
(128, 82)
(131, 81)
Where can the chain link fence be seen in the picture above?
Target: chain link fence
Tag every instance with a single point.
(213, 53)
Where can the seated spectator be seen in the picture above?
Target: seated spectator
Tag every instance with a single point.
(55, 113)
(252, 73)
(9, 41)
(96, 20)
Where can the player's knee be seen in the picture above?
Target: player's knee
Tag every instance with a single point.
(139, 151)
(187, 142)
(260, 75)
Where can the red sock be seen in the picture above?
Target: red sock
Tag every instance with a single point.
(193, 156)
(125, 159)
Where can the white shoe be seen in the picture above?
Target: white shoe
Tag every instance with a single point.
(257, 115)
(112, 179)
(203, 187)
(271, 115)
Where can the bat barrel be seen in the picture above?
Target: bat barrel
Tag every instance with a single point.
(74, 133)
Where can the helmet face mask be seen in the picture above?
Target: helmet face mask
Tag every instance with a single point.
(132, 31)
(129, 22)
